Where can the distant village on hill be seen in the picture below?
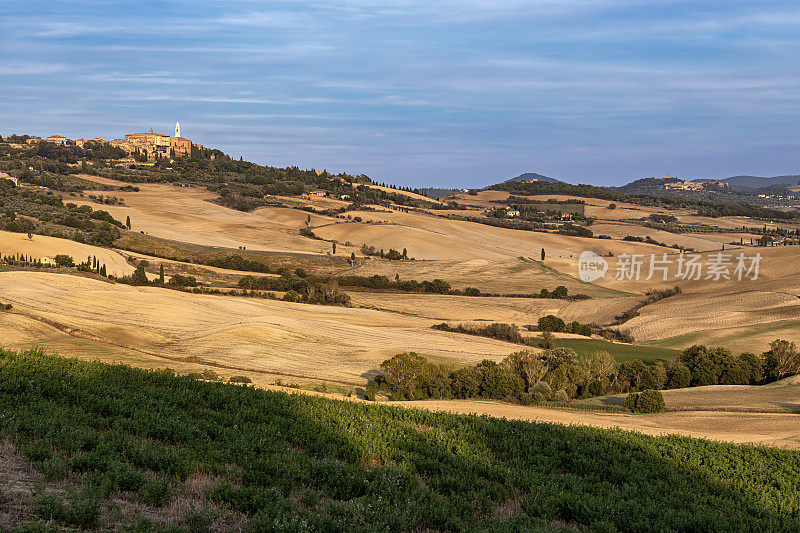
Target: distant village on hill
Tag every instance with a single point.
(146, 146)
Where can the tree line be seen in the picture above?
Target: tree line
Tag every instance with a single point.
(560, 374)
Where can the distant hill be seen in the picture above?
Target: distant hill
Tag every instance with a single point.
(434, 192)
(528, 176)
(758, 182)
(646, 186)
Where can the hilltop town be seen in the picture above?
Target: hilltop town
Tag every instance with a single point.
(145, 146)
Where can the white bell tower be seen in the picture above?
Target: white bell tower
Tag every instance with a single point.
(177, 129)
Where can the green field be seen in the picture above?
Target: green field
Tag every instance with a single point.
(620, 352)
(131, 443)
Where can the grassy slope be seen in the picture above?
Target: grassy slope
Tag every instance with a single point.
(291, 462)
(620, 352)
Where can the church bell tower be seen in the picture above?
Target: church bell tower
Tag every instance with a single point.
(177, 129)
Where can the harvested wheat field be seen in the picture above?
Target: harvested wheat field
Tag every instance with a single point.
(428, 237)
(520, 311)
(40, 246)
(185, 214)
(778, 397)
(771, 429)
(335, 344)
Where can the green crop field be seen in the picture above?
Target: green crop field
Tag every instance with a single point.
(620, 352)
(132, 442)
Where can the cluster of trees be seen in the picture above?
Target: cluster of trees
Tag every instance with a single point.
(510, 332)
(90, 265)
(299, 280)
(647, 401)
(553, 323)
(299, 287)
(80, 223)
(649, 240)
(653, 296)
(139, 278)
(573, 230)
(524, 377)
(561, 293)
(391, 254)
(560, 374)
(503, 332)
(20, 259)
(319, 294)
(700, 365)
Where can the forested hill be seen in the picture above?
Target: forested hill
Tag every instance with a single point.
(704, 208)
(241, 184)
(757, 182)
(529, 176)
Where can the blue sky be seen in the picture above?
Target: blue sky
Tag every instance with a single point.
(422, 92)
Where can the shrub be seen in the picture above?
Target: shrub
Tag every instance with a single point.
(550, 323)
(63, 260)
(579, 329)
(180, 280)
(678, 376)
(647, 401)
(559, 292)
(410, 376)
(240, 379)
(466, 382)
(650, 401)
(499, 383)
(541, 391)
(630, 401)
(561, 396)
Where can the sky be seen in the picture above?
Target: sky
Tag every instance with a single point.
(440, 93)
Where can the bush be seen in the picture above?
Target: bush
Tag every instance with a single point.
(630, 401)
(579, 329)
(180, 280)
(647, 401)
(541, 391)
(550, 323)
(240, 379)
(561, 396)
(466, 382)
(63, 260)
(499, 383)
(559, 292)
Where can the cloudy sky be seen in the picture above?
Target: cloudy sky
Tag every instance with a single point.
(422, 92)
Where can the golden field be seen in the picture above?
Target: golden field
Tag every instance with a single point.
(310, 345)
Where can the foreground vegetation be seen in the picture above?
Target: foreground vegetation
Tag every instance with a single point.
(133, 442)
